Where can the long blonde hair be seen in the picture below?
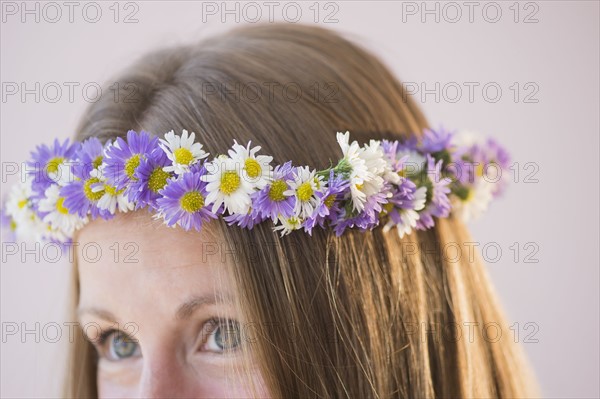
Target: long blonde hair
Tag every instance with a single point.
(372, 315)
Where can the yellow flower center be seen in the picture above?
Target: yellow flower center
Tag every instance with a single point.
(329, 200)
(112, 190)
(183, 156)
(158, 179)
(383, 217)
(131, 165)
(97, 162)
(317, 183)
(359, 187)
(469, 195)
(294, 222)
(52, 165)
(21, 204)
(479, 170)
(252, 168)
(192, 201)
(277, 189)
(13, 225)
(230, 181)
(87, 189)
(60, 207)
(388, 207)
(304, 192)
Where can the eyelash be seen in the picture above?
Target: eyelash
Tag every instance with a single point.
(212, 324)
(208, 328)
(101, 341)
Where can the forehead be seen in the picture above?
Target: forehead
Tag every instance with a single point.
(135, 259)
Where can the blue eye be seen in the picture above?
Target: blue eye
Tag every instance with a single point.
(116, 345)
(224, 337)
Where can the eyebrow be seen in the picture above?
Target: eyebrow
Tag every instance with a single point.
(184, 311)
(101, 313)
(187, 308)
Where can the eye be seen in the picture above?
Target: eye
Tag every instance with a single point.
(224, 336)
(116, 345)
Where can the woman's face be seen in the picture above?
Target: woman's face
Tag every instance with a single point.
(157, 305)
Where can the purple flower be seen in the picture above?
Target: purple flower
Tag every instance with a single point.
(495, 154)
(45, 164)
(390, 149)
(7, 224)
(439, 204)
(467, 162)
(270, 201)
(65, 244)
(81, 197)
(368, 218)
(82, 194)
(401, 210)
(403, 195)
(328, 207)
(5, 219)
(462, 171)
(363, 221)
(480, 160)
(405, 158)
(183, 201)
(150, 178)
(122, 158)
(435, 140)
(342, 224)
(87, 158)
(247, 220)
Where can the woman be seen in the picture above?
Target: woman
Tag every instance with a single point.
(229, 307)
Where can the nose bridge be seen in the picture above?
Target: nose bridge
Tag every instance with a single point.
(164, 376)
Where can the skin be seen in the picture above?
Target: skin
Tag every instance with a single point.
(165, 302)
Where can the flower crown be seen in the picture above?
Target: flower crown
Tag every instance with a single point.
(403, 184)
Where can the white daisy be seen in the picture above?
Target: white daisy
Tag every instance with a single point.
(304, 187)
(29, 226)
(54, 168)
(389, 174)
(54, 234)
(18, 198)
(420, 198)
(58, 216)
(256, 169)
(64, 173)
(287, 225)
(478, 198)
(182, 151)
(112, 199)
(367, 167)
(24, 221)
(376, 163)
(227, 186)
(408, 217)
